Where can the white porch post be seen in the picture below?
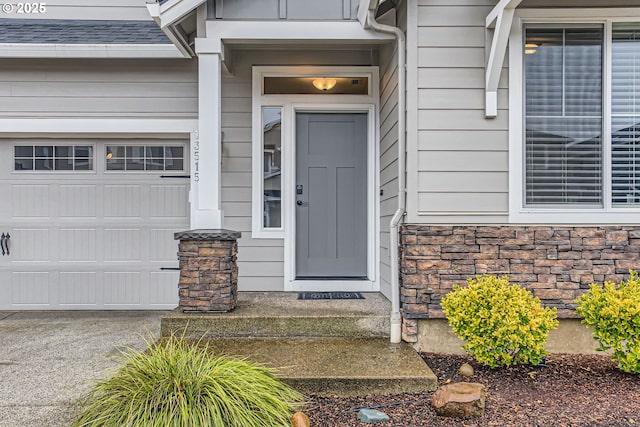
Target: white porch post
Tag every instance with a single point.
(206, 149)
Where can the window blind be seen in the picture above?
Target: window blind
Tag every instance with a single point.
(563, 116)
(625, 119)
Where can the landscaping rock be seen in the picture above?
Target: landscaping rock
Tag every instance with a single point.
(300, 419)
(460, 400)
(372, 416)
(466, 370)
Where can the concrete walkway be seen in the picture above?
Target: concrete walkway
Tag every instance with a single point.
(48, 360)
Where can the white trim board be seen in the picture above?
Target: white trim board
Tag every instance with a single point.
(44, 50)
(297, 32)
(311, 103)
(107, 126)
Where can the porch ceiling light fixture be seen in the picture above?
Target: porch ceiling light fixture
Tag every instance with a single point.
(324, 84)
(530, 48)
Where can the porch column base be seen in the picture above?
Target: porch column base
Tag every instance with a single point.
(208, 270)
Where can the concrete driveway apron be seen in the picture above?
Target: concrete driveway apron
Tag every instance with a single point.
(48, 360)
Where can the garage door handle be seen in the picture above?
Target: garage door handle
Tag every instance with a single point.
(4, 243)
(175, 176)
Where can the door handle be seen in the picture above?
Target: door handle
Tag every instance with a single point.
(301, 203)
(2, 239)
(6, 243)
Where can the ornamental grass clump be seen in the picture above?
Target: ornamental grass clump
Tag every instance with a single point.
(613, 311)
(180, 384)
(501, 324)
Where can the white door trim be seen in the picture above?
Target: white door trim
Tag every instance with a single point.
(291, 104)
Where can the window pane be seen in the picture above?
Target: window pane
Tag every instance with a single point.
(563, 109)
(23, 151)
(115, 164)
(23, 164)
(44, 164)
(83, 151)
(64, 151)
(174, 152)
(625, 120)
(155, 164)
(84, 164)
(155, 152)
(115, 151)
(135, 151)
(64, 164)
(316, 85)
(272, 147)
(174, 165)
(44, 151)
(135, 164)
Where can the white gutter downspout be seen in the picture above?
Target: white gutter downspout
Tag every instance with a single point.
(371, 23)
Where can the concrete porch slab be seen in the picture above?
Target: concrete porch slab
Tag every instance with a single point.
(281, 314)
(336, 366)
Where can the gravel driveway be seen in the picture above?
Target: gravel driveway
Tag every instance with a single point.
(49, 359)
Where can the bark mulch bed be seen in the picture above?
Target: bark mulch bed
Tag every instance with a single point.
(571, 391)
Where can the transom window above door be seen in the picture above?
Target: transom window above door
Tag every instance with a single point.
(581, 116)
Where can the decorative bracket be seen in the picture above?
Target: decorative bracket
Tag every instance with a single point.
(500, 20)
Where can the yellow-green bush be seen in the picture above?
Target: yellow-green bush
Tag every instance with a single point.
(614, 313)
(502, 324)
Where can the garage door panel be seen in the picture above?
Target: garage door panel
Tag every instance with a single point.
(122, 201)
(168, 201)
(164, 288)
(30, 244)
(77, 244)
(78, 201)
(30, 287)
(159, 250)
(122, 288)
(123, 244)
(30, 201)
(77, 288)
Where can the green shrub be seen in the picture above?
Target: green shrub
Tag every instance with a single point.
(614, 313)
(178, 384)
(502, 324)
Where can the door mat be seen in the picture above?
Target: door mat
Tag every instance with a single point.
(329, 295)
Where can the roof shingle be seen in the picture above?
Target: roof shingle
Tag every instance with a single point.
(58, 31)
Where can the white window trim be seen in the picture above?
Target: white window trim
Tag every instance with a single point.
(528, 215)
(310, 103)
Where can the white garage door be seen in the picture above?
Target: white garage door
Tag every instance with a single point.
(91, 223)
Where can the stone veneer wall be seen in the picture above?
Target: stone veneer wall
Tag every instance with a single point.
(208, 270)
(556, 263)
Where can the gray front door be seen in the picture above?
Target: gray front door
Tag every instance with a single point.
(331, 196)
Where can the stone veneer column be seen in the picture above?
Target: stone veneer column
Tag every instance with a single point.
(208, 270)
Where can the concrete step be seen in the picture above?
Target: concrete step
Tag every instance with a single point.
(336, 366)
(282, 315)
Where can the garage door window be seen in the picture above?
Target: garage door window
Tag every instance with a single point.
(53, 158)
(145, 158)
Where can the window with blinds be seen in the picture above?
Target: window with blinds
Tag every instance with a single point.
(625, 115)
(563, 75)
